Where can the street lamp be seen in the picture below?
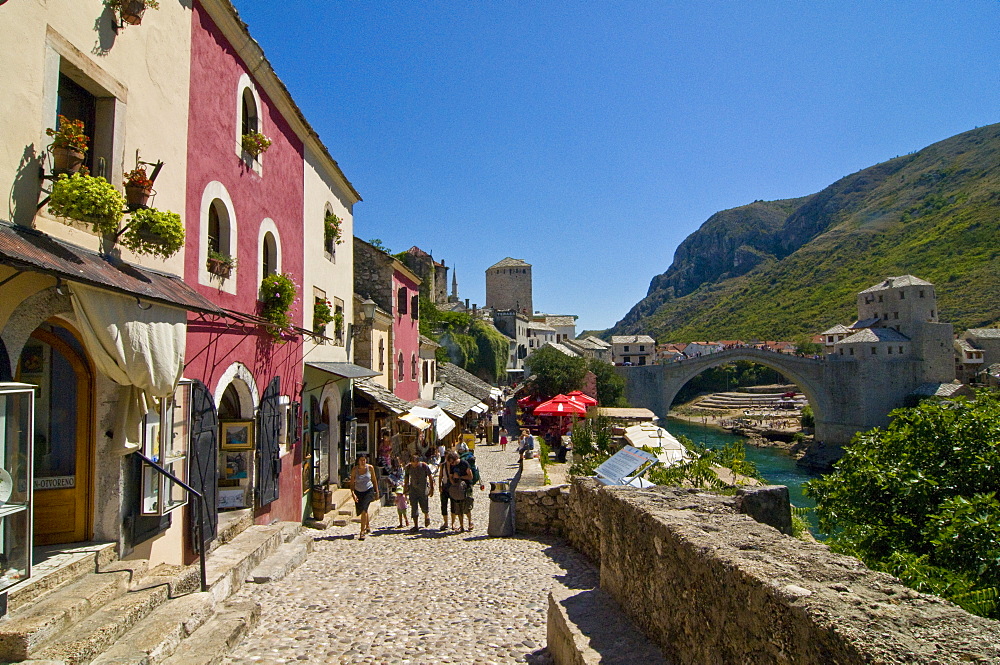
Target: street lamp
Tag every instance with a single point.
(368, 308)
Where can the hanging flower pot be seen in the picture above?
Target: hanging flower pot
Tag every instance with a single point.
(66, 160)
(220, 264)
(87, 199)
(137, 196)
(155, 232)
(69, 145)
(132, 11)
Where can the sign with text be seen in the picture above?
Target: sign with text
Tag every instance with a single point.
(622, 464)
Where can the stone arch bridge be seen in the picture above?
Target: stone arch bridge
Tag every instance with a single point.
(847, 396)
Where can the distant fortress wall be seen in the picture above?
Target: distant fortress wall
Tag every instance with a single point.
(708, 584)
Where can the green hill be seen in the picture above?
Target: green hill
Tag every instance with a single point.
(785, 269)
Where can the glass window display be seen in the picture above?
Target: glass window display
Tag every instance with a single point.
(166, 435)
(16, 424)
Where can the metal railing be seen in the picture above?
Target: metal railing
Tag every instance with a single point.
(201, 513)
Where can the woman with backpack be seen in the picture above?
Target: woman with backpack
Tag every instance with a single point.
(460, 489)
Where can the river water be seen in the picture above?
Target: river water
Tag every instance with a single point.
(777, 467)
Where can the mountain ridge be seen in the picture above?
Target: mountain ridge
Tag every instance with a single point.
(790, 268)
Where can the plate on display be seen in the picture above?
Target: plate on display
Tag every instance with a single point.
(6, 486)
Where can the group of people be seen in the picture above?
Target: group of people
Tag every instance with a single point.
(453, 473)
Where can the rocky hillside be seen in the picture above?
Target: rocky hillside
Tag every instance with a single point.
(786, 269)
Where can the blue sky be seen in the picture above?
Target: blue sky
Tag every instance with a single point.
(590, 139)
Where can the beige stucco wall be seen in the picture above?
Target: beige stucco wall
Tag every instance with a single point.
(333, 274)
(145, 70)
(140, 76)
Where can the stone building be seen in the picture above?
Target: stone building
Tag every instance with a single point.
(976, 350)
(433, 274)
(633, 350)
(508, 286)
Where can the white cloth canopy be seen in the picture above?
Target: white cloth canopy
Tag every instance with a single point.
(443, 424)
(419, 423)
(141, 349)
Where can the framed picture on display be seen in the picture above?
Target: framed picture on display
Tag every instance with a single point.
(237, 435)
(362, 439)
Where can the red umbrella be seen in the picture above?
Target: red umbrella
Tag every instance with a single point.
(583, 398)
(561, 405)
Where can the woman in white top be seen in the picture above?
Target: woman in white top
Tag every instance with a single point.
(364, 488)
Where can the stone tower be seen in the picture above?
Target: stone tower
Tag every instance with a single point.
(508, 286)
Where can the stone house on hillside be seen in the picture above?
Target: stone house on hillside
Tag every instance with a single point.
(633, 350)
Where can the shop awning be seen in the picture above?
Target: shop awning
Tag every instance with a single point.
(30, 250)
(442, 423)
(419, 423)
(345, 370)
(496, 393)
(381, 396)
(480, 408)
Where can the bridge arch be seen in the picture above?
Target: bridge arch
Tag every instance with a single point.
(656, 386)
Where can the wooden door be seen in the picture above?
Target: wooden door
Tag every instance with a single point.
(53, 361)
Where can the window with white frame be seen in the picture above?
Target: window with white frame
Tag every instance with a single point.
(166, 434)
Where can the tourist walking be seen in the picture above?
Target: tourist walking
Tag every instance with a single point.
(503, 439)
(364, 489)
(418, 486)
(444, 482)
(401, 507)
(460, 490)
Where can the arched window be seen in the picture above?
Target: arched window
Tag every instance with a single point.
(381, 355)
(400, 368)
(426, 373)
(269, 255)
(218, 228)
(401, 301)
(413, 366)
(249, 119)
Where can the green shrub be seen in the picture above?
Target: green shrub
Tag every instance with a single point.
(154, 232)
(89, 199)
(277, 293)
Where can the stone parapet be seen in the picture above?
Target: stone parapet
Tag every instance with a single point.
(710, 585)
(542, 511)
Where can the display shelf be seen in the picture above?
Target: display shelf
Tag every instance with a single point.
(11, 509)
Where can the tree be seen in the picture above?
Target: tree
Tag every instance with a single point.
(555, 371)
(918, 499)
(610, 384)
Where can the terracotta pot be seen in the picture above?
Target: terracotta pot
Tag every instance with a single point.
(66, 160)
(137, 196)
(132, 11)
(220, 268)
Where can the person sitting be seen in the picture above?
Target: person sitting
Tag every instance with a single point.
(527, 446)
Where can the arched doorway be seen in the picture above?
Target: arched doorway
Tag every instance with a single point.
(237, 449)
(54, 360)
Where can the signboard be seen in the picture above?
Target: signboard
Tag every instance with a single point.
(622, 464)
(55, 482)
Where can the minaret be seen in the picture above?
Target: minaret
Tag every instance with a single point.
(454, 284)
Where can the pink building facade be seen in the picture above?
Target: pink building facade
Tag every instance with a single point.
(406, 333)
(248, 208)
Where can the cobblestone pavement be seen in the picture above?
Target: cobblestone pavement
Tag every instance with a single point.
(430, 597)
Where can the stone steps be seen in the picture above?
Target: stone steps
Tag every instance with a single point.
(335, 516)
(288, 557)
(126, 615)
(209, 644)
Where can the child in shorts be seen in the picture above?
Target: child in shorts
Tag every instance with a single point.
(401, 506)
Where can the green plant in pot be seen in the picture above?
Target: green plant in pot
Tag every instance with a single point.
(69, 145)
(277, 293)
(332, 229)
(138, 188)
(89, 199)
(322, 315)
(155, 232)
(255, 144)
(220, 264)
(338, 325)
(131, 11)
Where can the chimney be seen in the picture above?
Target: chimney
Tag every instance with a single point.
(466, 303)
(474, 308)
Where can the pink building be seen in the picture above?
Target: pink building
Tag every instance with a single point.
(406, 332)
(246, 207)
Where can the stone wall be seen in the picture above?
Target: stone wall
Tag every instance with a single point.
(542, 511)
(711, 585)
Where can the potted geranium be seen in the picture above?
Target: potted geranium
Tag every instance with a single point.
(220, 264)
(69, 145)
(277, 293)
(331, 230)
(131, 11)
(138, 188)
(89, 199)
(322, 315)
(255, 143)
(155, 232)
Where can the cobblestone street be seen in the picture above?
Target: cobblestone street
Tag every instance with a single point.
(430, 597)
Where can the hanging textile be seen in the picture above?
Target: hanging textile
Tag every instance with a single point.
(140, 349)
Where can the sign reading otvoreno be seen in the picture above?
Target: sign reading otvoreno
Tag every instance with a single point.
(623, 463)
(55, 483)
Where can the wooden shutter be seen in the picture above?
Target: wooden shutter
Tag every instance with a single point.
(203, 462)
(268, 452)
